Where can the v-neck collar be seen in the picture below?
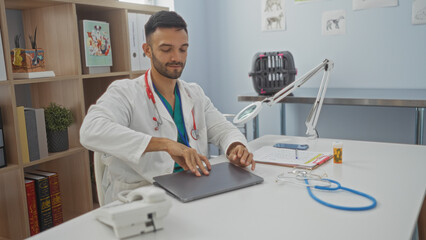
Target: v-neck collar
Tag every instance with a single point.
(167, 104)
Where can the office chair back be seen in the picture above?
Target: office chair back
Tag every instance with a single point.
(99, 173)
(213, 150)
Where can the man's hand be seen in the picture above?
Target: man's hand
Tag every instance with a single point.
(238, 154)
(188, 158)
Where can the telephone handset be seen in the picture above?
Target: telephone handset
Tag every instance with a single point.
(141, 210)
(148, 194)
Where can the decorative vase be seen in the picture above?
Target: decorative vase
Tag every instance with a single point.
(27, 60)
(57, 141)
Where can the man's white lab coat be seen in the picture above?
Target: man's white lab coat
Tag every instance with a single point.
(121, 125)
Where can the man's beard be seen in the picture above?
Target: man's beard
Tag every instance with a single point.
(162, 68)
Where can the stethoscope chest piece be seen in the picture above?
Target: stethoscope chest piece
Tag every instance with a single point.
(194, 134)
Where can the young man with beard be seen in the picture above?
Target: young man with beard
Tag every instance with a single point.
(158, 124)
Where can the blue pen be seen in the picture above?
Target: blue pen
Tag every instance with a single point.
(296, 153)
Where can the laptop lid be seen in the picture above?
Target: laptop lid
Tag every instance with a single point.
(224, 177)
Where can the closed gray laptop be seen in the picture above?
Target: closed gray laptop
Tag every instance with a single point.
(223, 177)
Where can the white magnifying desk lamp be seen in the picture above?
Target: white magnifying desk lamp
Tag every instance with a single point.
(253, 109)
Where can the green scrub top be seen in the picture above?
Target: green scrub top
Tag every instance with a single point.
(177, 118)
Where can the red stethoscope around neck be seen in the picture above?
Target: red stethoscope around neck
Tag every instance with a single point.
(194, 132)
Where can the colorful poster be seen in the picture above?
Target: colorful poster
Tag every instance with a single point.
(364, 4)
(273, 15)
(419, 12)
(334, 22)
(97, 43)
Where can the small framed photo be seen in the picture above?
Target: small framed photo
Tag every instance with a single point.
(97, 43)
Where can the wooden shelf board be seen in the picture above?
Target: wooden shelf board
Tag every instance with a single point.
(4, 83)
(138, 72)
(40, 80)
(115, 4)
(101, 75)
(9, 167)
(112, 4)
(25, 4)
(54, 156)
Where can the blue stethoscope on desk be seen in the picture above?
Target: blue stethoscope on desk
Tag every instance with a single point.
(194, 132)
(328, 186)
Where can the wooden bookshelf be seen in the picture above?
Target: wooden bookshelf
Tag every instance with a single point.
(58, 33)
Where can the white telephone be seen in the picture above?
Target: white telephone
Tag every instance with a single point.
(141, 210)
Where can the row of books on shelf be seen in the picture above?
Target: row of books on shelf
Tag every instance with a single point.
(32, 133)
(43, 200)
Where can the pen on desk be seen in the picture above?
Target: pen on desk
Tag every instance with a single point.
(296, 153)
(322, 159)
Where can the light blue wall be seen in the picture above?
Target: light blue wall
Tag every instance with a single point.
(197, 66)
(381, 49)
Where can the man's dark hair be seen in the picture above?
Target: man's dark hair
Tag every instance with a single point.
(164, 19)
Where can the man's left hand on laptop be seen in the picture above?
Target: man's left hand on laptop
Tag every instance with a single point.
(239, 155)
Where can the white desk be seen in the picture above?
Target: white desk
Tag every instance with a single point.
(392, 173)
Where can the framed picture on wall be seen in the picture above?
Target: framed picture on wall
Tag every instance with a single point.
(273, 15)
(97, 44)
(333, 22)
(419, 12)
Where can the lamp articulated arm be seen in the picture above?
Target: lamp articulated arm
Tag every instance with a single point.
(311, 121)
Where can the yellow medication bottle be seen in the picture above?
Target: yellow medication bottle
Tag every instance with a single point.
(337, 152)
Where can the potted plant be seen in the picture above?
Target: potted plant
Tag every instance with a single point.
(27, 60)
(58, 119)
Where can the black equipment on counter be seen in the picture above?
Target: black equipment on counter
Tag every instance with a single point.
(272, 71)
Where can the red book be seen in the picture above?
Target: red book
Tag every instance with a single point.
(44, 208)
(55, 195)
(32, 206)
